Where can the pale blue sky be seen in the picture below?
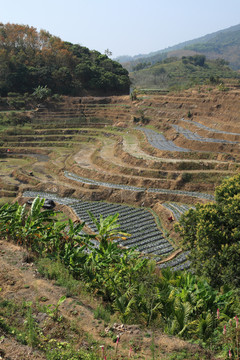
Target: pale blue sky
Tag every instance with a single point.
(126, 27)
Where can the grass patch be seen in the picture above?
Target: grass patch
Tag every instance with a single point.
(154, 129)
(4, 200)
(187, 354)
(55, 270)
(210, 178)
(130, 139)
(13, 163)
(11, 315)
(102, 313)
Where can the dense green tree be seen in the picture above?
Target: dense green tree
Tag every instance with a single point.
(29, 59)
(212, 234)
(62, 79)
(229, 188)
(197, 60)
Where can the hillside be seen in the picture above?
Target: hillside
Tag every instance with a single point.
(174, 73)
(150, 159)
(96, 140)
(221, 44)
(29, 59)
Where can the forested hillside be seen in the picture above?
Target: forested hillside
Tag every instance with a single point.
(29, 59)
(224, 45)
(173, 73)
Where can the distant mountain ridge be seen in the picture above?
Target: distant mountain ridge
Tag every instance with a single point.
(220, 44)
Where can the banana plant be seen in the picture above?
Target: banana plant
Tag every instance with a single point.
(75, 230)
(74, 257)
(37, 215)
(107, 229)
(35, 224)
(8, 219)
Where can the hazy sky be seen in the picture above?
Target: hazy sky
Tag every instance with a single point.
(126, 27)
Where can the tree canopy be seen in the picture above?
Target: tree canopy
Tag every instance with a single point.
(29, 59)
(212, 234)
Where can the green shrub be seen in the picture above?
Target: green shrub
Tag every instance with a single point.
(56, 97)
(186, 177)
(211, 233)
(64, 351)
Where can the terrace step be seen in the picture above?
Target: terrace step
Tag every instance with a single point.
(152, 239)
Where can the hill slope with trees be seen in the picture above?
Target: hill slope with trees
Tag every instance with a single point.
(174, 73)
(224, 45)
(220, 44)
(29, 59)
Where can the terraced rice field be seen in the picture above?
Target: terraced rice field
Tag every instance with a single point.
(145, 236)
(188, 134)
(204, 127)
(91, 149)
(177, 209)
(160, 142)
(83, 180)
(181, 262)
